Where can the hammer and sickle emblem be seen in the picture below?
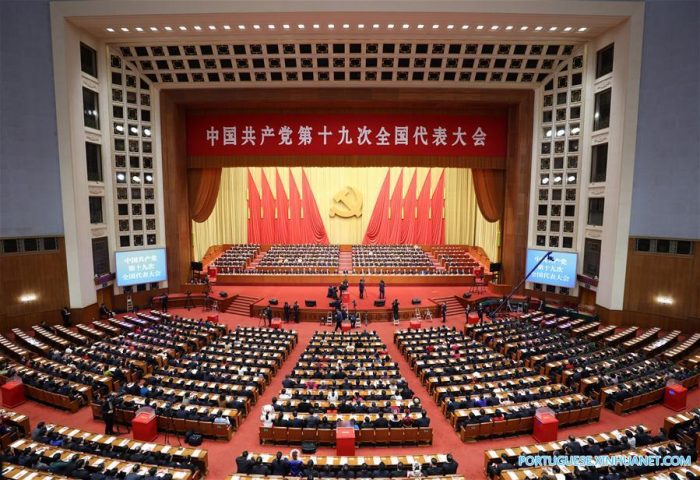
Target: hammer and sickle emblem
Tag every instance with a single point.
(348, 203)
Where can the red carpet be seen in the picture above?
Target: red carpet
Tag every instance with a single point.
(470, 456)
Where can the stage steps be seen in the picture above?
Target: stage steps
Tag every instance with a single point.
(454, 307)
(256, 259)
(345, 262)
(241, 305)
(438, 266)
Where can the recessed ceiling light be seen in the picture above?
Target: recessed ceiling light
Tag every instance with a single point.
(479, 27)
(552, 29)
(256, 27)
(139, 29)
(464, 27)
(241, 27)
(285, 26)
(182, 27)
(494, 27)
(575, 130)
(583, 29)
(317, 26)
(538, 28)
(110, 29)
(509, 27)
(271, 27)
(124, 29)
(450, 27)
(567, 29)
(376, 25)
(405, 25)
(331, 26)
(153, 29)
(227, 27)
(523, 28)
(301, 26)
(360, 26)
(168, 29)
(346, 25)
(390, 26)
(420, 26)
(436, 26)
(212, 27)
(197, 27)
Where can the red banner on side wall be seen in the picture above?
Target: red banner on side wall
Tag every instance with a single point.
(351, 134)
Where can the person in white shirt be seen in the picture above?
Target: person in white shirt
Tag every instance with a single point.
(284, 395)
(268, 416)
(220, 419)
(333, 396)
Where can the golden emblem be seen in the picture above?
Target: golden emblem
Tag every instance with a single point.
(348, 203)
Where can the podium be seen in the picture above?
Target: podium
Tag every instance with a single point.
(345, 441)
(546, 426)
(345, 326)
(345, 297)
(214, 318)
(144, 427)
(675, 397)
(211, 273)
(473, 318)
(414, 324)
(13, 394)
(276, 323)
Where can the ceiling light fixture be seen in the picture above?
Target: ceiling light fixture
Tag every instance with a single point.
(301, 26)
(256, 27)
(567, 29)
(523, 28)
(198, 28)
(110, 29)
(182, 27)
(271, 27)
(168, 29)
(153, 29)
(545, 180)
(538, 28)
(28, 297)
(553, 29)
(561, 132)
(450, 27)
(285, 26)
(479, 27)
(420, 26)
(571, 178)
(124, 29)
(316, 26)
(212, 27)
(664, 300)
(331, 26)
(376, 25)
(509, 27)
(436, 26)
(241, 27)
(139, 29)
(575, 130)
(360, 26)
(464, 27)
(582, 29)
(405, 26)
(548, 134)
(390, 26)
(346, 25)
(494, 27)
(227, 27)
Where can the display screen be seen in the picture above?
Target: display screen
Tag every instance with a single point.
(558, 272)
(141, 266)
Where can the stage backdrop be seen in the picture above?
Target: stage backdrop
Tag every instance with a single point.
(345, 205)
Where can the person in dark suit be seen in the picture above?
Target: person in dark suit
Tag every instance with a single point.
(381, 422)
(395, 309)
(295, 309)
(65, 316)
(362, 288)
(164, 302)
(443, 312)
(287, 312)
(108, 414)
(243, 464)
(382, 289)
(338, 320)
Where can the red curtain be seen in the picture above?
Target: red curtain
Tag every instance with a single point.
(254, 206)
(296, 230)
(489, 186)
(282, 205)
(408, 223)
(203, 186)
(267, 225)
(437, 221)
(379, 215)
(313, 223)
(393, 234)
(422, 228)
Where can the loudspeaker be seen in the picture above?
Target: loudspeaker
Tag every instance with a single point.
(223, 294)
(466, 295)
(379, 303)
(273, 301)
(495, 267)
(308, 448)
(197, 266)
(310, 303)
(415, 301)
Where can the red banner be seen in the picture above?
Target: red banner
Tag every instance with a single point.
(351, 134)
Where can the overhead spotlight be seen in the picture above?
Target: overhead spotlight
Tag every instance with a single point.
(376, 25)
(596, 115)
(420, 26)
(664, 300)
(133, 130)
(316, 26)
(360, 26)
(331, 26)
(567, 29)
(147, 132)
(212, 27)
(494, 27)
(285, 26)
(436, 26)
(241, 27)
(198, 28)
(575, 130)
(182, 27)
(136, 179)
(110, 29)
(168, 29)
(346, 25)
(119, 128)
(154, 29)
(557, 179)
(405, 26)
(139, 29)
(149, 178)
(582, 29)
(548, 133)
(450, 27)
(552, 29)
(479, 27)
(124, 29)
(390, 26)
(271, 27)
(227, 27)
(301, 26)
(571, 178)
(509, 27)
(561, 132)
(538, 28)
(523, 28)
(256, 27)
(28, 297)
(464, 27)
(121, 176)
(545, 180)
